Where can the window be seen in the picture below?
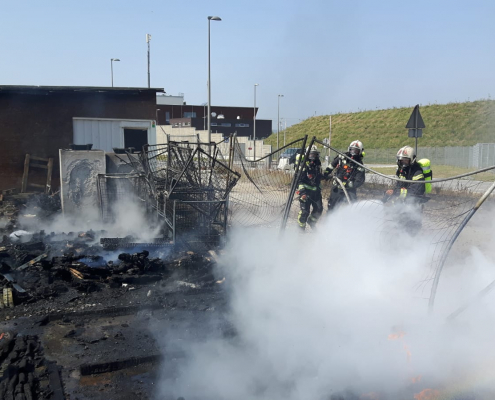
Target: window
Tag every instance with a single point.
(167, 116)
(190, 114)
(213, 124)
(241, 125)
(226, 124)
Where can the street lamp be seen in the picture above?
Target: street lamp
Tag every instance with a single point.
(254, 122)
(278, 119)
(210, 18)
(111, 66)
(148, 40)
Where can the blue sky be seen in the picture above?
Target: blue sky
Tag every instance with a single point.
(324, 56)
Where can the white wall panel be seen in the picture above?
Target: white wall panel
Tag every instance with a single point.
(105, 134)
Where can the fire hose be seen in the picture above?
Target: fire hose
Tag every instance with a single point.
(342, 186)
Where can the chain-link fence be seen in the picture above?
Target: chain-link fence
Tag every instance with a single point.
(260, 196)
(479, 156)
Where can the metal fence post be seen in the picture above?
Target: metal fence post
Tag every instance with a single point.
(295, 180)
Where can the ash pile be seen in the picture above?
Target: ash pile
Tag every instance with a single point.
(153, 224)
(43, 273)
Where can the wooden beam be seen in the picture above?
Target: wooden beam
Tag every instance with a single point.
(38, 166)
(49, 176)
(25, 174)
(39, 159)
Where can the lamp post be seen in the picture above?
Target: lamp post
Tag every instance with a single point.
(210, 18)
(278, 119)
(148, 40)
(254, 122)
(111, 66)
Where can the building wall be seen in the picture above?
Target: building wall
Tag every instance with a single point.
(40, 123)
(179, 111)
(106, 134)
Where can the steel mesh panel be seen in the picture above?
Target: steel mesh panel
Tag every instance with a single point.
(118, 188)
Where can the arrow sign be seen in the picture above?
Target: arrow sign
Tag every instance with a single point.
(415, 123)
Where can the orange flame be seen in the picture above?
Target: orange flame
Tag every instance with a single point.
(416, 379)
(408, 352)
(427, 394)
(396, 336)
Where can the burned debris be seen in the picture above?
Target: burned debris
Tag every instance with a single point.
(181, 186)
(25, 373)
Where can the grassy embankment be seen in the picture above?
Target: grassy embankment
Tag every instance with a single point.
(453, 124)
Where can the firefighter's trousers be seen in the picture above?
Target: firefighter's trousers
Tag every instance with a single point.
(311, 208)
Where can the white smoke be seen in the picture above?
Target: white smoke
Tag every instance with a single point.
(128, 219)
(314, 314)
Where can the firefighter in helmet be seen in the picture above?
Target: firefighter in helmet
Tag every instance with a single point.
(408, 169)
(408, 196)
(309, 189)
(351, 175)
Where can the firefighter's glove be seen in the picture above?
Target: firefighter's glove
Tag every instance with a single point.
(302, 195)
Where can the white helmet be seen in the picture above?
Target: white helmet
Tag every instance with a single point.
(406, 152)
(356, 148)
(313, 152)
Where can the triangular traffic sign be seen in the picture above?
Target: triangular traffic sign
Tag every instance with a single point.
(415, 120)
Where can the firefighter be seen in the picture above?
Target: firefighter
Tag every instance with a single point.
(309, 190)
(408, 196)
(408, 169)
(349, 173)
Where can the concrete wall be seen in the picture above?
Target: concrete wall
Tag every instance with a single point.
(190, 134)
(39, 122)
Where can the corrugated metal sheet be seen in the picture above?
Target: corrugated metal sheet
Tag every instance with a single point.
(105, 134)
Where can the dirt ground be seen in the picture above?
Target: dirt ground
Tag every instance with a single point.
(81, 336)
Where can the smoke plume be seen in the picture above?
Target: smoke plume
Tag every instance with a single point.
(337, 314)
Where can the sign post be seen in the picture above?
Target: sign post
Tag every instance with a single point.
(415, 125)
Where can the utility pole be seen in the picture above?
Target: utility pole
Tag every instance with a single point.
(330, 132)
(278, 119)
(329, 138)
(148, 40)
(254, 122)
(210, 18)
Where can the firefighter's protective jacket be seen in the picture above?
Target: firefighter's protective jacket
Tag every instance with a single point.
(410, 191)
(311, 176)
(347, 171)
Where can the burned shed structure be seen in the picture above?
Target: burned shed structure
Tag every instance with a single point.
(40, 120)
(182, 186)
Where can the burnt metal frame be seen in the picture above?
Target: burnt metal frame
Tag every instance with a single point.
(223, 224)
(170, 187)
(295, 180)
(99, 188)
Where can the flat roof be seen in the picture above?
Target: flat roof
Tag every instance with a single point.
(72, 89)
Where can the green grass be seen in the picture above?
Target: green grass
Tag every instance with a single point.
(453, 124)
